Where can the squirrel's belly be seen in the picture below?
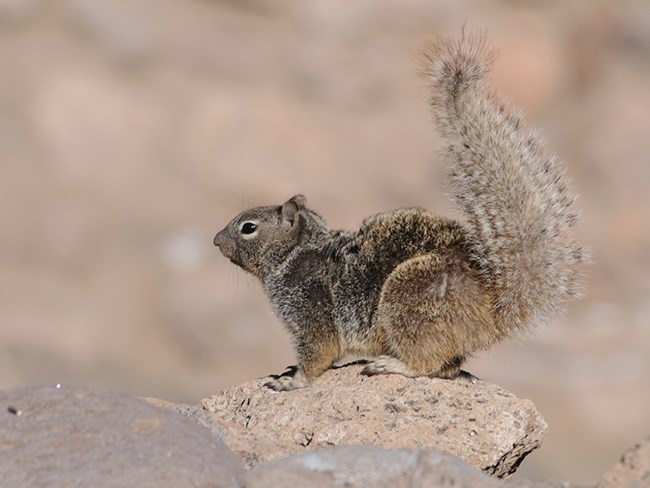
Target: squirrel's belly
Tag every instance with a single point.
(371, 346)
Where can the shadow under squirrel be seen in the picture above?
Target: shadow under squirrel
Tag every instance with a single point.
(417, 292)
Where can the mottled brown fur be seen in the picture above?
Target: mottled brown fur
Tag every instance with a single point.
(417, 292)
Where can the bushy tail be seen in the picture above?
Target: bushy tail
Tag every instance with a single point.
(512, 192)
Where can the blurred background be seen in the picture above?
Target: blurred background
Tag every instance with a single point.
(132, 130)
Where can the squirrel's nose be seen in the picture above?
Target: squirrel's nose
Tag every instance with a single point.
(219, 239)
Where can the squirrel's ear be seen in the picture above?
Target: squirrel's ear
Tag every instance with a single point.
(299, 200)
(291, 207)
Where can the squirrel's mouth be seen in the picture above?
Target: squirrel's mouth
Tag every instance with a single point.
(232, 256)
(236, 261)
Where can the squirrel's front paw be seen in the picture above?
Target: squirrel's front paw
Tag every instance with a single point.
(287, 383)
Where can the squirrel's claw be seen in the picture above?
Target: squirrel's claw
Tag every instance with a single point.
(287, 382)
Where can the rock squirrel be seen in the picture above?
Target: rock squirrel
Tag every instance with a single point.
(417, 292)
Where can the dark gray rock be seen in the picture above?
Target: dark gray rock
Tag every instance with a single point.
(84, 437)
(194, 412)
(541, 484)
(369, 467)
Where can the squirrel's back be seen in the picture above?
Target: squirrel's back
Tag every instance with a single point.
(513, 194)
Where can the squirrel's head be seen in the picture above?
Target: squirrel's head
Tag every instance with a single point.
(259, 239)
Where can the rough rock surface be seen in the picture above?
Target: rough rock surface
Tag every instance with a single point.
(527, 483)
(369, 467)
(193, 412)
(481, 423)
(632, 471)
(84, 437)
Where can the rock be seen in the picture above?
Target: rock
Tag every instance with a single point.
(193, 412)
(369, 467)
(526, 483)
(84, 437)
(481, 423)
(632, 471)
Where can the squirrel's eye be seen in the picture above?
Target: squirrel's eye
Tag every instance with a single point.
(248, 228)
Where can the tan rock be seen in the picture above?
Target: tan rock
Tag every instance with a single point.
(632, 471)
(481, 423)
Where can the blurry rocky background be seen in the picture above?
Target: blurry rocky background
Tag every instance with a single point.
(132, 130)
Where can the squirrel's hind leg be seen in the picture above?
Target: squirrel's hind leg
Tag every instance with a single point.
(428, 313)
